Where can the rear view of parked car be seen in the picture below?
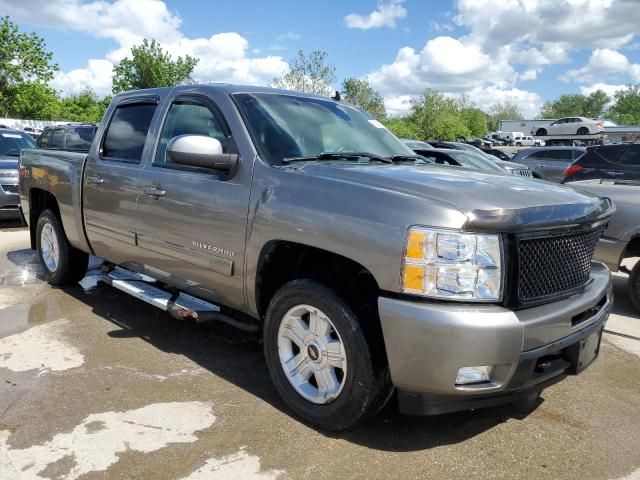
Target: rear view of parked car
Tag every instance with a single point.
(569, 126)
(76, 137)
(548, 163)
(12, 142)
(617, 161)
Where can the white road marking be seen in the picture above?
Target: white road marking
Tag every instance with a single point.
(39, 348)
(96, 443)
(238, 466)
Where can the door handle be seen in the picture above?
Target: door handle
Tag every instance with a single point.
(616, 174)
(95, 180)
(542, 165)
(154, 191)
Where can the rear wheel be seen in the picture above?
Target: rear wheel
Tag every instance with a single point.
(319, 359)
(518, 144)
(62, 263)
(583, 131)
(541, 132)
(634, 286)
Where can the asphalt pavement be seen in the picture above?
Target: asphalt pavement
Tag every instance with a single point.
(95, 384)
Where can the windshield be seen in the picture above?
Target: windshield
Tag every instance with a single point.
(290, 126)
(471, 160)
(12, 143)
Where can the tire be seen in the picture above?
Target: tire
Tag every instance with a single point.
(361, 389)
(62, 264)
(518, 144)
(634, 286)
(583, 131)
(541, 132)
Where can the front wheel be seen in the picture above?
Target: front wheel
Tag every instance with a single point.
(634, 286)
(62, 263)
(518, 144)
(319, 359)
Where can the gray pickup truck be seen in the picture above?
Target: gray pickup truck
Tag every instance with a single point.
(367, 269)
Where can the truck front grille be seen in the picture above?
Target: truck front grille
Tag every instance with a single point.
(553, 265)
(10, 188)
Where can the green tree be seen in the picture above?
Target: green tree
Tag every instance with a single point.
(626, 106)
(403, 127)
(475, 120)
(24, 60)
(83, 107)
(361, 94)
(34, 100)
(308, 73)
(150, 66)
(438, 117)
(502, 111)
(577, 105)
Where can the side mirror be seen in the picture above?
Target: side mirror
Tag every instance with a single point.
(200, 151)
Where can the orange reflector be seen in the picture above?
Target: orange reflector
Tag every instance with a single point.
(415, 245)
(414, 277)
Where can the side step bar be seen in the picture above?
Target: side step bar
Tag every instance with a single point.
(181, 306)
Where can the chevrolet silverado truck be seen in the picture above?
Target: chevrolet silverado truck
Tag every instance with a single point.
(367, 269)
(621, 239)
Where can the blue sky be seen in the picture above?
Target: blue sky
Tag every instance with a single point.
(524, 51)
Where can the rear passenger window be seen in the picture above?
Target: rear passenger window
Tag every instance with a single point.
(43, 140)
(57, 139)
(189, 117)
(127, 132)
(631, 156)
(559, 155)
(80, 138)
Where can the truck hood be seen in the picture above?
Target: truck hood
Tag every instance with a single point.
(490, 202)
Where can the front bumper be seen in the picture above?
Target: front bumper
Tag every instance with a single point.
(428, 342)
(9, 198)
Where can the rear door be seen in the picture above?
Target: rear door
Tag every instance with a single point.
(192, 222)
(554, 164)
(111, 180)
(57, 139)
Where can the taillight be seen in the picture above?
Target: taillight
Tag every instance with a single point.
(571, 170)
(600, 124)
(22, 172)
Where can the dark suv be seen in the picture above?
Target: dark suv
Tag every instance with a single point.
(617, 161)
(72, 136)
(548, 163)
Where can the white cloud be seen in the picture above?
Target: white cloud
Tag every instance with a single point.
(529, 74)
(223, 57)
(385, 15)
(528, 102)
(603, 63)
(607, 88)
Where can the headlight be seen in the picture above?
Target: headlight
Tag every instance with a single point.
(452, 265)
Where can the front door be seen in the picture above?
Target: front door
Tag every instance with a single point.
(110, 191)
(192, 222)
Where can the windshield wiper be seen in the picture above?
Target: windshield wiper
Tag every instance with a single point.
(339, 156)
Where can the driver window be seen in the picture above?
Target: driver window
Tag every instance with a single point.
(188, 117)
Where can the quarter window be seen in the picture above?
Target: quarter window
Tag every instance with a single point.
(559, 155)
(127, 132)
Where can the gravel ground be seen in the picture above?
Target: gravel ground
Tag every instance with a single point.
(95, 384)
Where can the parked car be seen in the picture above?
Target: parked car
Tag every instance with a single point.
(569, 126)
(526, 141)
(509, 166)
(499, 154)
(416, 144)
(12, 142)
(299, 216)
(548, 163)
(619, 161)
(621, 239)
(71, 136)
(465, 157)
(33, 132)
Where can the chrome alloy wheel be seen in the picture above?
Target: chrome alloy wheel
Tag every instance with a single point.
(312, 354)
(49, 247)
